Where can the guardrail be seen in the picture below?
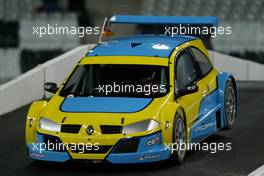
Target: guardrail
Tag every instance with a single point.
(29, 86)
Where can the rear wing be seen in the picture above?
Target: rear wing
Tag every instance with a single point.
(165, 20)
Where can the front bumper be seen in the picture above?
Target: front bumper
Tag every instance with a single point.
(140, 149)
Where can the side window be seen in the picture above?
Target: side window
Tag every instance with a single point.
(185, 70)
(204, 63)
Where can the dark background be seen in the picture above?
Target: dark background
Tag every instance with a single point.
(21, 51)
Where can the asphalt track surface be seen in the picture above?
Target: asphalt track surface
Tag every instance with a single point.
(247, 154)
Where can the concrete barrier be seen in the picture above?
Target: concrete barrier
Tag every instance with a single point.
(28, 87)
(255, 71)
(231, 64)
(243, 70)
(22, 90)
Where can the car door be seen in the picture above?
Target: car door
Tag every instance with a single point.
(187, 73)
(208, 76)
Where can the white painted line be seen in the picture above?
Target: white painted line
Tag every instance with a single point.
(258, 172)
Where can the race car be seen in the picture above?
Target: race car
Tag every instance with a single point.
(134, 99)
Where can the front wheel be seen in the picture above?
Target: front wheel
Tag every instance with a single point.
(178, 139)
(230, 104)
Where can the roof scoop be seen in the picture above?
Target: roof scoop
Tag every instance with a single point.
(133, 45)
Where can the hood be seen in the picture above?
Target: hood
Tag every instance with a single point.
(104, 104)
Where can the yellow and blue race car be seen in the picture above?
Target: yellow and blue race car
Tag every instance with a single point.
(134, 99)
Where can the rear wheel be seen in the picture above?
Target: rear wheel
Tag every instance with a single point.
(179, 139)
(230, 104)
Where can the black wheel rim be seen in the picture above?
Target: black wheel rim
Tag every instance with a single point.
(230, 104)
(180, 138)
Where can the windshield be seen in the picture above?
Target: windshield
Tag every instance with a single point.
(117, 80)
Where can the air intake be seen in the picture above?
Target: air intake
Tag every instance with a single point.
(111, 129)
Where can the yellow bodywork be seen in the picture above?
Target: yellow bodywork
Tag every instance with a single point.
(161, 109)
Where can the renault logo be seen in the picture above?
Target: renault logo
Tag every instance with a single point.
(90, 130)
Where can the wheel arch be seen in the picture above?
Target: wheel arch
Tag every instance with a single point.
(182, 113)
(223, 77)
(167, 114)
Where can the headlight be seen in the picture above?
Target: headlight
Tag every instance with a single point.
(145, 125)
(49, 125)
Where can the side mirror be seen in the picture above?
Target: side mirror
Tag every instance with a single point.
(51, 87)
(189, 89)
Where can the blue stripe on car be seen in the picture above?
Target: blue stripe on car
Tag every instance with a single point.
(147, 45)
(104, 104)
